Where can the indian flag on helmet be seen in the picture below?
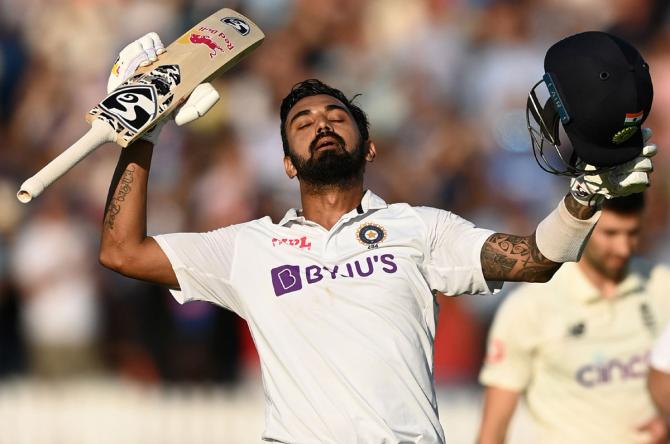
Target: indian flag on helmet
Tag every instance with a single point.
(633, 118)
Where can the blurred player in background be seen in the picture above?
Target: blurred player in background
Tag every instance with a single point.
(339, 295)
(577, 348)
(658, 379)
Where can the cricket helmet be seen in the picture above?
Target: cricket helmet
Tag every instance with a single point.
(600, 91)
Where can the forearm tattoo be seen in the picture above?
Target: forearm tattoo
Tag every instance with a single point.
(506, 257)
(114, 204)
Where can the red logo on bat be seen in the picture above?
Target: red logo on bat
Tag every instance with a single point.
(206, 40)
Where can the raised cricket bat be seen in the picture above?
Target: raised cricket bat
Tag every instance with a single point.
(206, 50)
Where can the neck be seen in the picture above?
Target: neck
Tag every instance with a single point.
(606, 285)
(325, 205)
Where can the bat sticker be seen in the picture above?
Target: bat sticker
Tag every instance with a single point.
(134, 105)
(239, 24)
(197, 39)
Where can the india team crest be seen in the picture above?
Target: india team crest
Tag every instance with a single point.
(370, 234)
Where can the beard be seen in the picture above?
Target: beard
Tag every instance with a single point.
(614, 270)
(332, 168)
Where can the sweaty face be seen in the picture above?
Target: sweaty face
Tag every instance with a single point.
(612, 243)
(325, 145)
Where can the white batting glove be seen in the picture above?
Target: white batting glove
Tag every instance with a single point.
(143, 52)
(627, 178)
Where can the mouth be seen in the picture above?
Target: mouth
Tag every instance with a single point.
(326, 142)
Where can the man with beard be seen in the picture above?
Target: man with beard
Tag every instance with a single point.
(577, 348)
(339, 295)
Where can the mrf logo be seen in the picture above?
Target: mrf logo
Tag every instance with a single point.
(608, 372)
(290, 278)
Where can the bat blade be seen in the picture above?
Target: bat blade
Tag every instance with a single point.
(200, 54)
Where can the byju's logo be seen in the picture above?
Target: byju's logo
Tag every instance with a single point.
(286, 279)
(289, 278)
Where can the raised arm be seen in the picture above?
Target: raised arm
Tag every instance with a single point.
(124, 245)
(508, 257)
(561, 236)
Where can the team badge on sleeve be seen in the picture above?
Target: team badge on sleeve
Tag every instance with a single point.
(370, 234)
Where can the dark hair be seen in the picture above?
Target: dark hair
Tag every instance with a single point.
(314, 87)
(633, 203)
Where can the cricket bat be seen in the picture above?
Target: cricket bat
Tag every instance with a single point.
(205, 51)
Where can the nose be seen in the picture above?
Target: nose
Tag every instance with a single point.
(322, 125)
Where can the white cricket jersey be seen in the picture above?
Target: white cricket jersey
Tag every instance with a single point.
(343, 319)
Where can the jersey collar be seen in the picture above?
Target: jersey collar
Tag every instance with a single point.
(370, 201)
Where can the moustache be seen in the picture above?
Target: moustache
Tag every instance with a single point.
(319, 137)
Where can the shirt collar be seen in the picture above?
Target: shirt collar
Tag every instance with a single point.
(370, 201)
(585, 292)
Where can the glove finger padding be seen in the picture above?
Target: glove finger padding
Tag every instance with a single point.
(634, 182)
(649, 150)
(141, 52)
(147, 44)
(201, 100)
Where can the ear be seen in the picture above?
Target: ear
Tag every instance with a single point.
(372, 151)
(290, 169)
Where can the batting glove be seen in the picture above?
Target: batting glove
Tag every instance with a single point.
(622, 180)
(143, 52)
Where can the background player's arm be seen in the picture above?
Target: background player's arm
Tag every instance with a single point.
(499, 406)
(124, 245)
(507, 257)
(659, 388)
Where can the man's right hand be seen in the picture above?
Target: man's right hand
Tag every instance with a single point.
(143, 52)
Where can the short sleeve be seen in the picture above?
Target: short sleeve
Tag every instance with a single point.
(511, 344)
(660, 353)
(454, 245)
(203, 263)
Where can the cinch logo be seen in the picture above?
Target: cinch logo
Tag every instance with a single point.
(592, 375)
(289, 278)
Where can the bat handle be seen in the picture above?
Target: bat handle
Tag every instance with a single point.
(99, 133)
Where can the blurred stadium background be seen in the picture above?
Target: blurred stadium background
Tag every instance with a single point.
(87, 356)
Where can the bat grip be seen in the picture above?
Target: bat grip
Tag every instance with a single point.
(99, 133)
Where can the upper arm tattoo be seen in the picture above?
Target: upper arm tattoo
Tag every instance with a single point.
(506, 257)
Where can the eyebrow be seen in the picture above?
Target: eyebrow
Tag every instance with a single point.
(307, 111)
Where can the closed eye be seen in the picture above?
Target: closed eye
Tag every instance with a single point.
(337, 115)
(303, 124)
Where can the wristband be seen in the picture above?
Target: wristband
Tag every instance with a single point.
(561, 237)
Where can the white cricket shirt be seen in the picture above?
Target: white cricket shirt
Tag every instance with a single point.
(343, 319)
(580, 359)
